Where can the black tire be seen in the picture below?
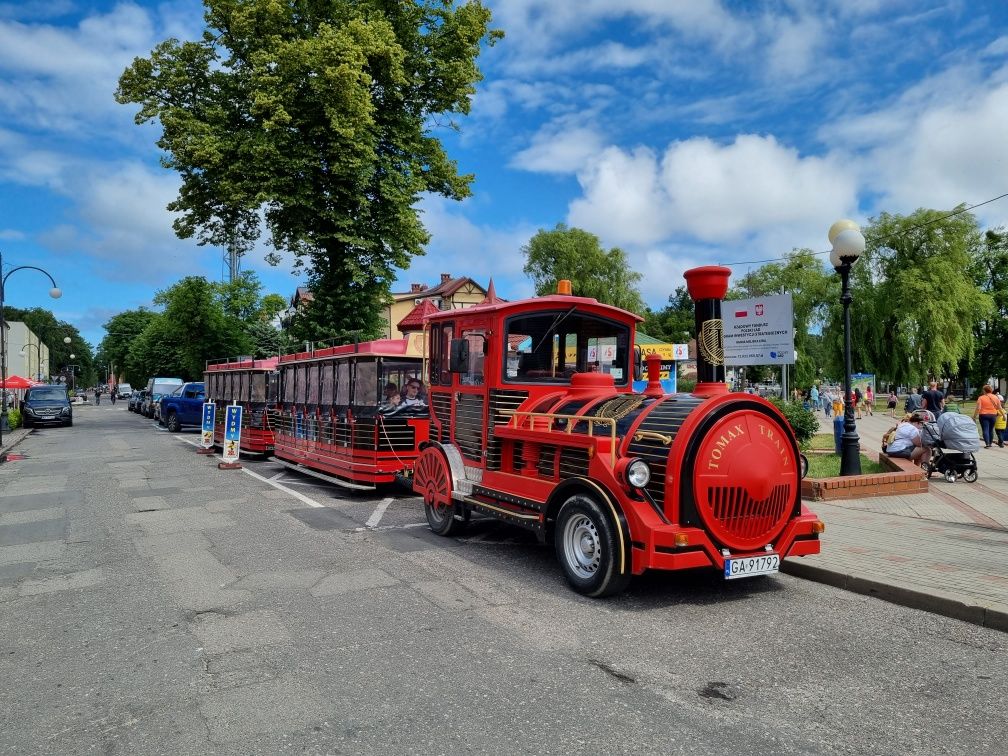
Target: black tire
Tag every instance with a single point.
(432, 479)
(970, 476)
(26, 424)
(927, 468)
(68, 424)
(588, 547)
(173, 423)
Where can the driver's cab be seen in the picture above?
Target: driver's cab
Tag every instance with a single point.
(489, 359)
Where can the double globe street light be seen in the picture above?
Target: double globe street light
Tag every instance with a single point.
(54, 292)
(848, 244)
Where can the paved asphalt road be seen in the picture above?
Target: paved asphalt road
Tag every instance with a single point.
(151, 603)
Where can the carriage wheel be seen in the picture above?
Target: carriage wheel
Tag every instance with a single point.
(970, 475)
(433, 481)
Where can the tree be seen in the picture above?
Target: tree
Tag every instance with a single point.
(192, 329)
(316, 117)
(916, 307)
(576, 254)
(120, 332)
(990, 273)
(675, 323)
(812, 289)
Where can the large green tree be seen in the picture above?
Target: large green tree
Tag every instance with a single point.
(916, 306)
(674, 323)
(318, 117)
(990, 272)
(121, 331)
(577, 255)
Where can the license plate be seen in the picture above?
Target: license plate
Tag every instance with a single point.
(764, 564)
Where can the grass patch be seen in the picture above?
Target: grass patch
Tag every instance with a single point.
(821, 441)
(828, 465)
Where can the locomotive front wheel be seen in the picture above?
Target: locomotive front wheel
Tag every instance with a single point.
(587, 546)
(432, 480)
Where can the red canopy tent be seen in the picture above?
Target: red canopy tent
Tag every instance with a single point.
(16, 382)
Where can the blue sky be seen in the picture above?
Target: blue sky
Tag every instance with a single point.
(685, 132)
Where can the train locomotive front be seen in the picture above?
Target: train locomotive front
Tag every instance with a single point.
(623, 482)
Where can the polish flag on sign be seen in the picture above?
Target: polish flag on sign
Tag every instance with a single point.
(741, 313)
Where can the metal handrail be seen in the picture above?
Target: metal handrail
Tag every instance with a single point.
(572, 421)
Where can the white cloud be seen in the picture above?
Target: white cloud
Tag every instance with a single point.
(10, 234)
(707, 192)
(559, 148)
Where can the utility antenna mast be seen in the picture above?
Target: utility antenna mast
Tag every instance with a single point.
(232, 258)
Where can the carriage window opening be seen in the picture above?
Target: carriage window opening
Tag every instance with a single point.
(300, 384)
(313, 384)
(342, 383)
(273, 389)
(473, 375)
(244, 391)
(288, 384)
(550, 347)
(366, 390)
(259, 387)
(326, 397)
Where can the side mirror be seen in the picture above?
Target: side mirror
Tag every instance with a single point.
(459, 360)
(638, 364)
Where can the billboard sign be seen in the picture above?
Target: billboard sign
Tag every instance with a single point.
(209, 416)
(232, 433)
(759, 331)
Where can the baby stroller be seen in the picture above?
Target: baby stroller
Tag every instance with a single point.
(953, 439)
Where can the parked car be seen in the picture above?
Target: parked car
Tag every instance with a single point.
(133, 405)
(147, 406)
(124, 391)
(184, 406)
(46, 404)
(158, 387)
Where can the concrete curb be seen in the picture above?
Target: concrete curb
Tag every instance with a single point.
(21, 437)
(947, 606)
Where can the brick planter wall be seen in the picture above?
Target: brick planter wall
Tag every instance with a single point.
(905, 478)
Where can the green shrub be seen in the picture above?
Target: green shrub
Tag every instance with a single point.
(14, 418)
(803, 422)
(685, 385)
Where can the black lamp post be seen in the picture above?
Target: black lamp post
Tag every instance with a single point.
(38, 359)
(848, 244)
(54, 292)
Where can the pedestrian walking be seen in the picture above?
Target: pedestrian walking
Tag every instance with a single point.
(988, 409)
(858, 396)
(870, 400)
(827, 400)
(814, 398)
(933, 399)
(913, 401)
(891, 402)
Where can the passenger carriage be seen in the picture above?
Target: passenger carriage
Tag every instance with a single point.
(252, 384)
(332, 420)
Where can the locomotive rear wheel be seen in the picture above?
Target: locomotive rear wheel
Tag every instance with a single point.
(587, 547)
(432, 479)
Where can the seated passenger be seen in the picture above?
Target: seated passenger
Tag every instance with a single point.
(391, 399)
(412, 398)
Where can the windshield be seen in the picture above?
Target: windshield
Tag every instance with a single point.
(166, 387)
(549, 347)
(47, 392)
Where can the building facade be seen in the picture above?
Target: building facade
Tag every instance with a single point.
(27, 355)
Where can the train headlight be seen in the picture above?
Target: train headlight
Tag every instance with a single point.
(638, 473)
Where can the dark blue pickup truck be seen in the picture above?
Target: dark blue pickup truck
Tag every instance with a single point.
(184, 406)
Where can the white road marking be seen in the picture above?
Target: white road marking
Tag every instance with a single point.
(379, 512)
(279, 486)
(278, 476)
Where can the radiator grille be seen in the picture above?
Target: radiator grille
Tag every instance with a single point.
(742, 517)
(666, 418)
(469, 425)
(502, 403)
(396, 435)
(441, 409)
(573, 463)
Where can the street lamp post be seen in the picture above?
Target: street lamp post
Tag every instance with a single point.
(73, 374)
(848, 244)
(38, 359)
(54, 292)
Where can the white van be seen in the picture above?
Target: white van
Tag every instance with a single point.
(123, 391)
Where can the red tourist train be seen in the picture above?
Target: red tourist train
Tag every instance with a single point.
(340, 416)
(252, 384)
(534, 421)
